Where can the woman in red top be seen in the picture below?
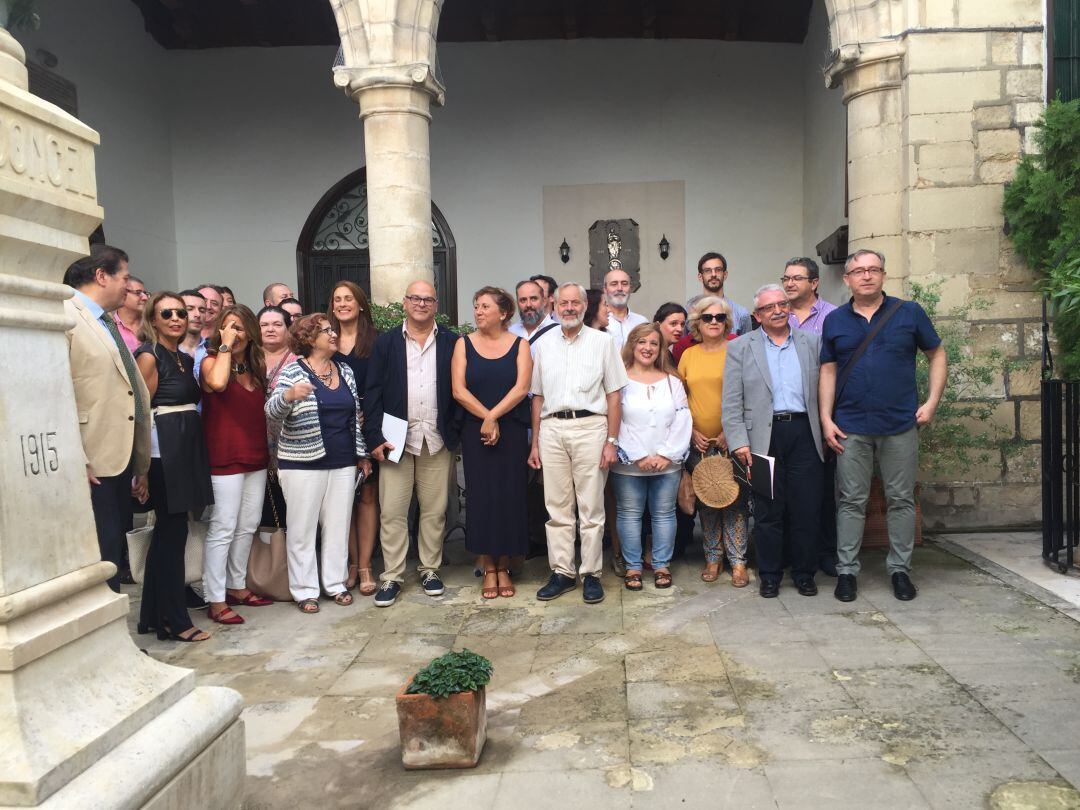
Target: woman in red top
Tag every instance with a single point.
(233, 378)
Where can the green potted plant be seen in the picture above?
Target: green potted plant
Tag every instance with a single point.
(442, 712)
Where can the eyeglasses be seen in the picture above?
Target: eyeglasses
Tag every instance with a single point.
(417, 300)
(866, 271)
(786, 279)
(773, 307)
(708, 270)
(169, 314)
(140, 293)
(709, 317)
(328, 330)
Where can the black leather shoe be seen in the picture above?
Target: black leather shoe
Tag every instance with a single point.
(902, 587)
(806, 587)
(769, 588)
(592, 591)
(846, 588)
(556, 587)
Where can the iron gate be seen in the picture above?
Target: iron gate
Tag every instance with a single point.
(1060, 472)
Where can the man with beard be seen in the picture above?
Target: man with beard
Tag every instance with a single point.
(534, 319)
(577, 376)
(712, 272)
(621, 320)
(548, 285)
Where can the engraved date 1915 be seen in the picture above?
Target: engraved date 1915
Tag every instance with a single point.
(39, 454)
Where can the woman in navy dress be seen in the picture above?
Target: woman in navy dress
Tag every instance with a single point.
(491, 373)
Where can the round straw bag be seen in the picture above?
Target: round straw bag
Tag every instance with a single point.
(714, 482)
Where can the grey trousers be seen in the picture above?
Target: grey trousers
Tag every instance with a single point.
(898, 461)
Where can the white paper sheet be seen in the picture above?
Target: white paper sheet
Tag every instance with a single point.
(395, 430)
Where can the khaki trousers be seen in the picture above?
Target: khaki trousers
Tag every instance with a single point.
(570, 455)
(430, 474)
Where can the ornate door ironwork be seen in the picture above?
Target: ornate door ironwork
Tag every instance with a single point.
(333, 246)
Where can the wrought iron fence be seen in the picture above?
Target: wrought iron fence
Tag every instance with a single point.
(1060, 472)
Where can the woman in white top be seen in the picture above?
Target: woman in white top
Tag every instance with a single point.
(654, 439)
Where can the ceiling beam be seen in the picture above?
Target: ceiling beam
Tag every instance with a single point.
(489, 21)
(180, 21)
(648, 19)
(571, 29)
(256, 21)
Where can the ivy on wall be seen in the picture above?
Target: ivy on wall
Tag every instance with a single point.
(1042, 210)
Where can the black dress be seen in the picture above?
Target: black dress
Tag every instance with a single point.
(496, 517)
(179, 483)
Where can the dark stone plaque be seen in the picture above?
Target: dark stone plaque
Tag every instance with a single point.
(613, 243)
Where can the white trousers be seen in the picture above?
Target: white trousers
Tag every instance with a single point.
(314, 498)
(234, 519)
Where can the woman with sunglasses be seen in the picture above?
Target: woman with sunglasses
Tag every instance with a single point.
(179, 466)
(702, 366)
(233, 380)
(320, 449)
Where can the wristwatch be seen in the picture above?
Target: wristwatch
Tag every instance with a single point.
(224, 348)
(613, 441)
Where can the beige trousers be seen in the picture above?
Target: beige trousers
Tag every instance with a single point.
(429, 474)
(570, 454)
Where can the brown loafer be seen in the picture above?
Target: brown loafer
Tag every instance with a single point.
(739, 577)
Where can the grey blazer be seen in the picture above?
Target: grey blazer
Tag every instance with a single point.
(747, 403)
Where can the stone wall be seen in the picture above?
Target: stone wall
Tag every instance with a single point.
(938, 121)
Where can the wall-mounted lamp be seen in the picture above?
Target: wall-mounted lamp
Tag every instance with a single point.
(665, 247)
(564, 251)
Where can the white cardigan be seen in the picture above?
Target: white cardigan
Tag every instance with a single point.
(656, 421)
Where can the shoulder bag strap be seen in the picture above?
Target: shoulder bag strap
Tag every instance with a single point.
(538, 335)
(845, 373)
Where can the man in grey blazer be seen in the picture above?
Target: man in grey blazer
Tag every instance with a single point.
(770, 407)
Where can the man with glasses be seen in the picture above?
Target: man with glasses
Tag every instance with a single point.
(870, 413)
(800, 281)
(712, 272)
(808, 312)
(129, 316)
(409, 377)
(770, 407)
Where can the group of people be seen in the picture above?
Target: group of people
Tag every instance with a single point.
(577, 421)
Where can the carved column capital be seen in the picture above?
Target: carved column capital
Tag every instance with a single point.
(355, 80)
(866, 68)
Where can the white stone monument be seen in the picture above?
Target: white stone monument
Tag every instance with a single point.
(86, 720)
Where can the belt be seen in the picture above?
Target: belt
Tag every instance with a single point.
(161, 410)
(788, 417)
(572, 414)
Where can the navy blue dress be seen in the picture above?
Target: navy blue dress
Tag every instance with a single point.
(496, 515)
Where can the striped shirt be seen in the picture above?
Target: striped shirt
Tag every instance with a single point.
(576, 373)
(300, 438)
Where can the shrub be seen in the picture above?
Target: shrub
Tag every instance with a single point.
(1042, 211)
(451, 673)
(391, 316)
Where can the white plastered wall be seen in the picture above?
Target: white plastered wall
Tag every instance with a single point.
(212, 160)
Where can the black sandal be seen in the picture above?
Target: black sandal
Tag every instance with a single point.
(344, 598)
(633, 582)
(308, 605)
(662, 579)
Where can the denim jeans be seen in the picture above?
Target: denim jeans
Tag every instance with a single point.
(632, 494)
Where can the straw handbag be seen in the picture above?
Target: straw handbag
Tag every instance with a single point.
(714, 482)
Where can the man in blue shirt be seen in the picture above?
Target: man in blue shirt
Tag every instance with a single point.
(770, 408)
(875, 414)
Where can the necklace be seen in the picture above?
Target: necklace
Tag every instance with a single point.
(239, 368)
(323, 378)
(176, 357)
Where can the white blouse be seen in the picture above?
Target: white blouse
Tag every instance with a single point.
(655, 422)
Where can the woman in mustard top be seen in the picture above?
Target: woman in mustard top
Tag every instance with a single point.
(702, 366)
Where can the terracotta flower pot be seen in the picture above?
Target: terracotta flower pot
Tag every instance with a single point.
(876, 529)
(442, 732)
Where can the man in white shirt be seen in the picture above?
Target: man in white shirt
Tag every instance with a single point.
(617, 294)
(577, 376)
(533, 316)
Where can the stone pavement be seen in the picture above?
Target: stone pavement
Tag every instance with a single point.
(700, 696)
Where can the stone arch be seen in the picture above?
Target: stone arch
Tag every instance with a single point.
(853, 23)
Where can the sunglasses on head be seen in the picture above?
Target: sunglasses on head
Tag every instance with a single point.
(169, 314)
(709, 317)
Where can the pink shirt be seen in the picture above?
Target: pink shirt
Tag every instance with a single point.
(130, 339)
(423, 402)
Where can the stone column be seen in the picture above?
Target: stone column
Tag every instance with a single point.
(871, 80)
(388, 54)
(85, 718)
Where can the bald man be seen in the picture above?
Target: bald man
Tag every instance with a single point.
(409, 377)
(621, 321)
